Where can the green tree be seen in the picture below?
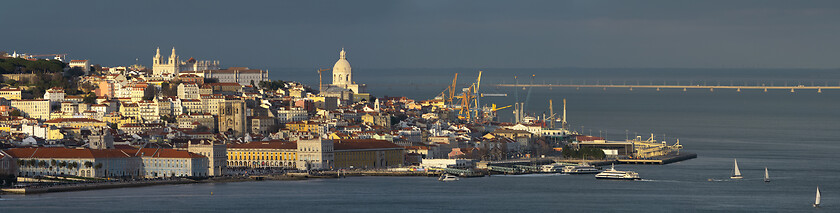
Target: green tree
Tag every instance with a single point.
(15, 112)
(88, 164)
(90, 98)
(98, 166)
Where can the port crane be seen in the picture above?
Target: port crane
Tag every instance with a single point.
(320, 79)
(450, 90)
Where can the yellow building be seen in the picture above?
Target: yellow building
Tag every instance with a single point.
(10, 93)
(304, 126)
(130, 110)
(367, 153)
(75, 123)
(38, 108)
(119, 119)
(262, 154)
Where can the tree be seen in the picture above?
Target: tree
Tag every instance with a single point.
(16, 113)
(88, 164)
(74, 165)
(62, 164)
(150, 93)
(90, 98)
(202, 128)
(98, 166)
(211, 80)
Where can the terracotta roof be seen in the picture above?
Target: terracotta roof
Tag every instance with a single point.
(61, 152)
(164, 153)
(273, 144)
(351, 144)
(62, 120)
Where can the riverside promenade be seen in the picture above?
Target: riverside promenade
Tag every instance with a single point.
(91, 186)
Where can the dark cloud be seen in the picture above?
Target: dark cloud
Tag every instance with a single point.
(419, 34)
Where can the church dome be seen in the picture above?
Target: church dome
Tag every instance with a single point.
(342, 66)
(341, 70)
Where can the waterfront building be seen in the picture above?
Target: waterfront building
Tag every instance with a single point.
(232, 117)
(367, 153)
(171, 163)
(263, 154)
(216, 153)
(37, 108)
(315, 154)
(78, 162)
(10, 93)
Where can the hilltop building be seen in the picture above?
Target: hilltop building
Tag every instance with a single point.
(173, 65)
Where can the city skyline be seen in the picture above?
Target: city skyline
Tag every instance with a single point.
(437, 34)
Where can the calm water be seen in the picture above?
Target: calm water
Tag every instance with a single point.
(795, 135)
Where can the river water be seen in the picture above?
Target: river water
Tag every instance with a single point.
(795, 135)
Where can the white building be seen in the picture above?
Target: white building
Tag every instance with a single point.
(215, 152)
(55, 95)
(241, 75)
(315, 154)
(38, 109)
(291, 115)
(84, 65)
(342, 75)
(188, 91)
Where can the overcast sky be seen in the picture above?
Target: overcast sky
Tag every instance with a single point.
(435, 34)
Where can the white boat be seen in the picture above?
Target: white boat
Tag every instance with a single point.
(618, 175)
(766, 175)
(737, 173)
(817, 200)
(552, 168)
(448, 177)
(583, 168)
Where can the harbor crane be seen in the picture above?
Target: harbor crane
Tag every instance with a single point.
(448, 94)
(320, 79)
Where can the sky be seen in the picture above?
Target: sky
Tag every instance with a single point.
(434, 34)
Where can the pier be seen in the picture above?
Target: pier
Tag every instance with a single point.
(738, 88)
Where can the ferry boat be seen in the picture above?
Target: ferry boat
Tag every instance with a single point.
(553, 168)
(448, 177)
(581, 169)
(618, 175)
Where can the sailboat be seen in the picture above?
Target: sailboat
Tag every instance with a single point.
(737, 173)
(766, 175)
(817, 200)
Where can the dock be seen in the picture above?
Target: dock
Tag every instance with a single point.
(660, 160)
(91, 186)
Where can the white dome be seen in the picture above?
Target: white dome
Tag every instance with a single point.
(341, 70)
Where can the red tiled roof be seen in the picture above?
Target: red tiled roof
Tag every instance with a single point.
(61, 152)
(350, 144)
(62, 120)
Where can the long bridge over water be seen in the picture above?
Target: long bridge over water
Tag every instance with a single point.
(738, 88)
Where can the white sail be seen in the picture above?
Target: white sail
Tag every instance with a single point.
(817, 200)
(737, 171)
(766, 175)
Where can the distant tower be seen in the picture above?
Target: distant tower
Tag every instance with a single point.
(232, 117)
(160, 67)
